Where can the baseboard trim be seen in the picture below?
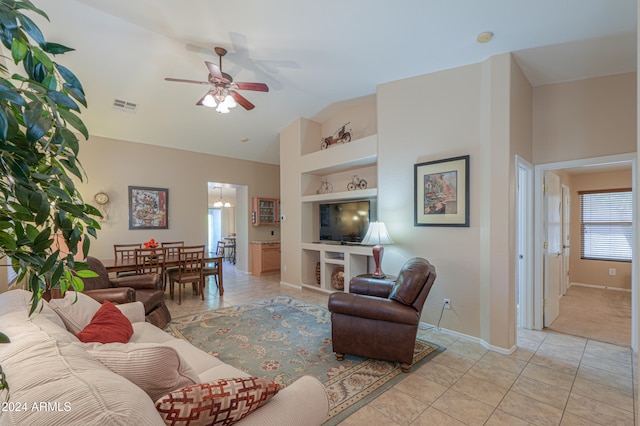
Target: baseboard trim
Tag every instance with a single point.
(602, 287)
(490, 347)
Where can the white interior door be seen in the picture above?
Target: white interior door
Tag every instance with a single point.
(552, 247)
(566, 220)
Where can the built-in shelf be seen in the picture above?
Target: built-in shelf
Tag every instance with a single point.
(342, 157)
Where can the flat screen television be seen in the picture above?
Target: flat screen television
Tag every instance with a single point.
(346, 222)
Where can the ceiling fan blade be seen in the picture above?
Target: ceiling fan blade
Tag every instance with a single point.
(199, 103)
(258, 87)
(214, 70)
(242, 100)
(181, 80)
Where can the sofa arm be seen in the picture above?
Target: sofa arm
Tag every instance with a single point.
(115, 295)
(371, 286)
(303, 402)
(375, 308)
(143, 281)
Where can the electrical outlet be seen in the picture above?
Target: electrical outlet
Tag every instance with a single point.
(612, 271)
(447, 303)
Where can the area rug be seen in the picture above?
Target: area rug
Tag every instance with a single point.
(284, 338)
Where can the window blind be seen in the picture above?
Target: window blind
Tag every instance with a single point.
(606, 226)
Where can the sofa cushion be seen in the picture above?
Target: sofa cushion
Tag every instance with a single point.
(155, 368)
(75, 309)
(75, 387)
(222, 402)
(108, 325)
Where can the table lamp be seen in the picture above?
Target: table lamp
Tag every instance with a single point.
(377, 235)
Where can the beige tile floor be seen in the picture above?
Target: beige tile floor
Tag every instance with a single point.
(552, 379)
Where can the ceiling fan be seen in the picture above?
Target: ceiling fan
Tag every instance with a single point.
(223, 93)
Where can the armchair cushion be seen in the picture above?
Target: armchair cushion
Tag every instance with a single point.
(410, 282)
(137, 282)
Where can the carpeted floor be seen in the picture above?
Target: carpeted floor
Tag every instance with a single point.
(596, 313)
(283, 338)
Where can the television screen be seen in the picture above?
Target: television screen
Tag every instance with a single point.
(346, 222)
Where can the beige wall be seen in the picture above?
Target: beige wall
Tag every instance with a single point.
(457, 112)
(113, 165)
(489, 111)
(595, 272)
(584, 119)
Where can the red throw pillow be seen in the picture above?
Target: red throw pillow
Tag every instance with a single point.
(222, 402)
(108, 325)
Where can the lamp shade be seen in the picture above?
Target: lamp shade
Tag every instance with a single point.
(377, 234)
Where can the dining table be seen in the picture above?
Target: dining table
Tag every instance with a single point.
(129, 264)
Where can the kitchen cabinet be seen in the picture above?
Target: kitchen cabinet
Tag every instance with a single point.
(265, 257)
(265, 211)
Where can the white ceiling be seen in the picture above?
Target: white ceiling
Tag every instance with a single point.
(311, 54)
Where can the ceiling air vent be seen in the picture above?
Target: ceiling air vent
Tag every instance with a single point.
(124, 106)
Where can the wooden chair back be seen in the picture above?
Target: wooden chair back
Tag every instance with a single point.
(125, 251)
(190, 270)
(220, 248)
(172, 247)
(150, 261)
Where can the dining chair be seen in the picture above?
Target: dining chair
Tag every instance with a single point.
(171, 251)
(125, 253)
(150, 261)
(190, 270)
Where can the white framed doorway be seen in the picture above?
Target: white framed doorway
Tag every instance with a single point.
(524, 243)
(537, 302)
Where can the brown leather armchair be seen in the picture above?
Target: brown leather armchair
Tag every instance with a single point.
(145, 288)
(379, 319)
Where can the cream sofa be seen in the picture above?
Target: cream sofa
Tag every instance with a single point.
(57, 380)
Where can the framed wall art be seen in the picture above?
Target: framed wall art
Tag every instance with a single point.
(442, 192)
(148, 208)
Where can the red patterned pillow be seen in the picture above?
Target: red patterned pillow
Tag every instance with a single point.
(222, 402)
(108, 325)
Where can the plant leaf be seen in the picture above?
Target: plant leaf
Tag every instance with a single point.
(56, 49)
(63, 100)
(32, 29)
(75, 122)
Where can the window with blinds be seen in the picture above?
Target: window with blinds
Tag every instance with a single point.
(606, 226)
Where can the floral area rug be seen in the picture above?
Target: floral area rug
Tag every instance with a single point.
(284, 338)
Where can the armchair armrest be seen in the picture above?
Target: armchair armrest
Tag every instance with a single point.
(371, 286)
(143, 281)
(375, 308)
(117, 295)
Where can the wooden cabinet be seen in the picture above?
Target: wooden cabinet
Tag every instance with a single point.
(265, 258)
(265, 211)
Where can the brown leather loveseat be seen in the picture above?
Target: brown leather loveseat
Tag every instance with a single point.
(378, 318)
(145, 288)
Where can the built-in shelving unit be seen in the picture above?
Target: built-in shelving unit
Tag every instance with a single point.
(354, 260)
(338, 165)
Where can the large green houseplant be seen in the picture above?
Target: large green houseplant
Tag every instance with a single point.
(39, 201)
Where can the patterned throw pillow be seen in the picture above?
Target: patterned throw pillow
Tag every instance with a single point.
(222, 402)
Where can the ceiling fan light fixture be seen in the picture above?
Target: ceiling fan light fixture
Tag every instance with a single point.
(209, 101)
(222, 108)
(230, 102)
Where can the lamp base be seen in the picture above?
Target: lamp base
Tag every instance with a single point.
(378, 251)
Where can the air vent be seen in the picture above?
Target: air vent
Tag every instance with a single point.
(124, 106)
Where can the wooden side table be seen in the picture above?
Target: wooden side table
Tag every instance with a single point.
(391, 278)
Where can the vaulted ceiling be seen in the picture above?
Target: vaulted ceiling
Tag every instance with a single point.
(311, 54)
